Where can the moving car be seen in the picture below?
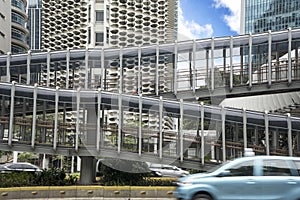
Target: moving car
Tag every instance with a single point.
(167, 170)
(255, 177)
(19, 167)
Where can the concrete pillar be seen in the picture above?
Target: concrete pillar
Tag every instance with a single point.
(15, 156)
(78, 168)
(298, 141)
(256, 136)
(45, 163)
(275, 139)
(88, 170)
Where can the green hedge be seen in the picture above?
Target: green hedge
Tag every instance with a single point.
(51, 177)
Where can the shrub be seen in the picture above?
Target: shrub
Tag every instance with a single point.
(51, 177)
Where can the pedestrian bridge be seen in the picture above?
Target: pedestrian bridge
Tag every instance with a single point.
(123, 103)
(79, 123)
(244, 65)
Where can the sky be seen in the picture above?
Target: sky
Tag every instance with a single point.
(208, 18)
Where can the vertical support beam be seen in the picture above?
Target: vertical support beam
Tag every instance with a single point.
(270, 59)
(175, 68)
(212, 65)
(87, 170)
(68, 68)
(181, 131)
(231, 64)
(48, 67)
(250, 61)
(11, 116)
(290, 56)
(245, 127)
(223, 134)
(77, 118)
(102, 70)
(290, 144)
(99, 132)
(140, 123)
(8, 58)
(120, 122)
(202, 133)
(161, 127)
(275, 139)
(56, 118)
(121, 70)
(267, 133)
(86, 78)
(139, 91)
(28, 67)
(2, 114)
(33, 129)
(157, 71)
(194, 66)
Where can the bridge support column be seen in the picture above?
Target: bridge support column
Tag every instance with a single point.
(275, 139)
(298, 141)
(88, 170)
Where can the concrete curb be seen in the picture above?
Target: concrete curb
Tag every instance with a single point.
(91, 192)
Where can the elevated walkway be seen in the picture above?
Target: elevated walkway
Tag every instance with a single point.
(133, 102)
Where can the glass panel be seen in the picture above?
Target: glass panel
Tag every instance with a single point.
(191, 132)
(77, 69)
(130, 71)
(18, 68)
(112, 72)
(95, 69)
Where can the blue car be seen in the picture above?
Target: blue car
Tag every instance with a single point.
(255, 177)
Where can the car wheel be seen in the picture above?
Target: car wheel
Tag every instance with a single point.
(202, 197)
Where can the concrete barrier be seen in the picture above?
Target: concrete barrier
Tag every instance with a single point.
(88, 192)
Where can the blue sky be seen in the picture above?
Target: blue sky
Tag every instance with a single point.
(208, 18)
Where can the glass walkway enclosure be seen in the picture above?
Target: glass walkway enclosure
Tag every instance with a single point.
(35, 118)
(231, 66)
(106, 102)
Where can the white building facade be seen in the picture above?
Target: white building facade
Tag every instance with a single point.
(5, 23)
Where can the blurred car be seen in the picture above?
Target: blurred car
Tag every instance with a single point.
(255, 177)
(166, 170)
(3, 169)
(19, 167)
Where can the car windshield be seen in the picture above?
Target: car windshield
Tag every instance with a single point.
(216, 167)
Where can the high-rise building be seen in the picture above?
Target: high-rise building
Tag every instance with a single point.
(111, 23)
(102, 23)
(13, 32)
(19, 31)
(5, 21)
(263, 15)
(34, 24)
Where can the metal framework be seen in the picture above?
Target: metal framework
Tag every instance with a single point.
(59, 102)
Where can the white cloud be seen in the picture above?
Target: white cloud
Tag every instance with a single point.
(233, 19)
(190, 29)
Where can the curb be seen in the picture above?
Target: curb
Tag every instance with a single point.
(48, 192)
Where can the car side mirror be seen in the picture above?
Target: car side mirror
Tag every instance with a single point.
(224, 173)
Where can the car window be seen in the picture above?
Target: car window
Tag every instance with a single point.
(25, 166)
(168, 167)
(276, 168)
(242, 169)
(297, 164)
(14, 166)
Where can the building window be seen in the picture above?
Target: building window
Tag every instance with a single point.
(2, 34)
(99, 16)
(2, 16)
(99, 38)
